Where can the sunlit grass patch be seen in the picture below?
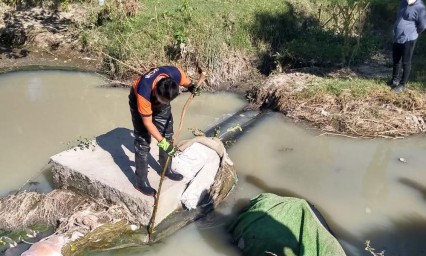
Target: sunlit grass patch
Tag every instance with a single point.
(356, 87)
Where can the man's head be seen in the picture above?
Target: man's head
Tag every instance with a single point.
(167, 89)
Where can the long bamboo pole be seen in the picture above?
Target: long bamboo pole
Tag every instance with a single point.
(163, 172)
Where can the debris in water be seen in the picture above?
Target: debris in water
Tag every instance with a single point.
(197, 132)
(401, 159)
(367, 210)
(285, 149)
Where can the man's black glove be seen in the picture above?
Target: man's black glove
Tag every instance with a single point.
(195, 90)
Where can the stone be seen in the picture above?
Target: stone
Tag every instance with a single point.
(104, 169)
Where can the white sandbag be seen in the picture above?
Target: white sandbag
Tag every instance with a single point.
(199, 165)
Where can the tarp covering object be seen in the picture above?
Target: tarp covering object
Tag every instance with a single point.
(274, 225)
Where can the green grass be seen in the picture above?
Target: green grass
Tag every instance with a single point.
(260, 29)
(210, 27)
(356, 88)
(267, 33)
(374, 91)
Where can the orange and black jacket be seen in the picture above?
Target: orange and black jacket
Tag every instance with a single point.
(140, 97)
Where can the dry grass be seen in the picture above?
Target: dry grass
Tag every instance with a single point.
(3, 9)
(232, 66)
(81, 221)
(374, 112)
(59, 206)
(28, 208)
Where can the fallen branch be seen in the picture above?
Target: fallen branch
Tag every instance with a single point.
(341, 135)
(119, 61)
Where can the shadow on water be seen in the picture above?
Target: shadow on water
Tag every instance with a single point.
(115, 142)
(217, 222)
(404, 236)
(414, 185)
(401, 237)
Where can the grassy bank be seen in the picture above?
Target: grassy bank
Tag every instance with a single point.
(234, 40)
(215, 35)
(231, 38)
(352, 106)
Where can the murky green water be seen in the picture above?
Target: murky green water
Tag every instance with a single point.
(360, 186)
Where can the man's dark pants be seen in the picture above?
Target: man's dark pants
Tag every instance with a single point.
(163, 120)
(402, 53)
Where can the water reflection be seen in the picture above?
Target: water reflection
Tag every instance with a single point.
(420, 188)
(42, 113)
(35, 89)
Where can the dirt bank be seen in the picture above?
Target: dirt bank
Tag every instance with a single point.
(40, 37)
(51, 39)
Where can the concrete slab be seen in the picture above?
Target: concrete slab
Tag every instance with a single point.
(104, 168)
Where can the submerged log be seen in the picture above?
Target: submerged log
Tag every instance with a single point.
(99, 176)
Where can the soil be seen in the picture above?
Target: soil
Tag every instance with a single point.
(38, 38)
(44, 38)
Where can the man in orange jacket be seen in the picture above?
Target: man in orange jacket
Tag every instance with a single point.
(149, 101)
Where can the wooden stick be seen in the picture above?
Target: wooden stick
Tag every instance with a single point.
(199, 82)
(337, 134)
(163, 172)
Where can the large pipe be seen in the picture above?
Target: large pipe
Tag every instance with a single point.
(233, 127)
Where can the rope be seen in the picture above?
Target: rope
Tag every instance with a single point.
(157, 198)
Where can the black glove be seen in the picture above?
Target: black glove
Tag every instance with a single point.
(195, 90)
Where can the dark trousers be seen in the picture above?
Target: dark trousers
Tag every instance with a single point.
(402, 54)
(163, 120)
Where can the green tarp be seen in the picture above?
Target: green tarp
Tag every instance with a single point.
(274, 225)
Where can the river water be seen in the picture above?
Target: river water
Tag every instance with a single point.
(362, 188)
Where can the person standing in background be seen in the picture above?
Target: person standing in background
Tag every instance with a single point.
(411, 21)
